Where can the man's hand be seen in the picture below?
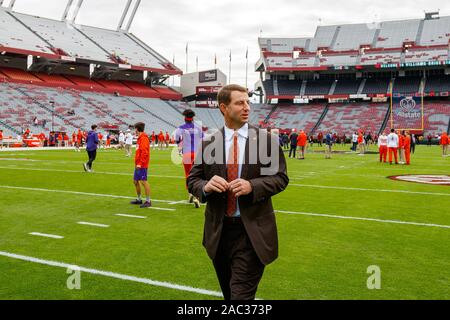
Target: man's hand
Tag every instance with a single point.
(138, 166)
(240, 187)
(216, 184)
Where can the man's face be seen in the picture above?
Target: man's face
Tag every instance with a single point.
(238, 111)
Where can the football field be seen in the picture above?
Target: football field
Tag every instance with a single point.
(336, 219)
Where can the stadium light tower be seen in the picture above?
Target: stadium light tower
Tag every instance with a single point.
(133, 14)
(124, 14)
(69, 6)
(66, 11)
(11, 4)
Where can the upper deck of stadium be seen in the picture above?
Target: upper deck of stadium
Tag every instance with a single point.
(62, 40)
(402, 43)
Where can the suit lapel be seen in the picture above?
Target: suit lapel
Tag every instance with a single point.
(223, 165)
(246, 160)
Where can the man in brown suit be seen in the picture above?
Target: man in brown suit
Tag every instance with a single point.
(237, 172)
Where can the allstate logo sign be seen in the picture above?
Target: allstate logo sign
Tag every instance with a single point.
(439, 180)
(407, 105)
(408, 109)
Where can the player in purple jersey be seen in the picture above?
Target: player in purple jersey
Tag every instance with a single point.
(189, 137)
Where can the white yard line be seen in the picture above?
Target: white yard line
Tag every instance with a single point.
(161, 209)
(45, 235)
(83, 193)
(130, 216)
(112, 275)
(94, 172)
(365, 219)
(280, 211)
(93, 224)
(366, 189)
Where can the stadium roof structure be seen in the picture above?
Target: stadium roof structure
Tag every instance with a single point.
(46, 42)
(385, 45)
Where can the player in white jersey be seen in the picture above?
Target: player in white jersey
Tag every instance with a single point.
(392, 143)
(383, 147)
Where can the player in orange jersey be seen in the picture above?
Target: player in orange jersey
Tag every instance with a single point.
(302, 141)
(141, 161)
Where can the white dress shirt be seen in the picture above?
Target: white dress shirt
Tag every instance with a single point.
(242, 140)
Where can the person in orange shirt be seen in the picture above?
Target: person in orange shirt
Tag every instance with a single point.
(167, 140)
(153, 139)
(60, 140)
(108, 141)
(361, 146)
(401, 148)
(301, 142)
(445, 141)
(1, 139)
(79, 140)
(100, 140)
(141, 161)
(41, 139)
(407, 148)
(66, 140)
(160, 140)
(74, 139)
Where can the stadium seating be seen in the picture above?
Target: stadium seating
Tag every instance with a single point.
(376, 85)
(349, 59)
(305, 60)
(374, 57)
(282, 44)
(438, 84)
(17, 36)
(123, 48)
(347, 86)
(351, 36)
(18, 111)
(302, 117)
(347, 118)
(426, 55)
(394, 33)
(268, 87)
(323, 37)
(289, 87)
(20, 75)
(436, 117)
(318, 87)
(406, 85)
(259, 112)
(65, 37)
(435, 32)
(280, 62)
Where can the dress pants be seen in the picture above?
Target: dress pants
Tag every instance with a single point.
(237, 266)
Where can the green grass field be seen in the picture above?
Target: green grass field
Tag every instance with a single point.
(321, 257)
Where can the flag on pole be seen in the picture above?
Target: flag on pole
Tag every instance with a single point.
(246, 54)
(215, 59)
(187, 47)
(230, 55)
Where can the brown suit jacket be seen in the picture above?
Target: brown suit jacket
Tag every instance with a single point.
(256, 209)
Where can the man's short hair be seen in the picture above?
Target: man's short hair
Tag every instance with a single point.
(188, 113)
(140, 126)
(392, 130)
(224, 95)
(94, 126)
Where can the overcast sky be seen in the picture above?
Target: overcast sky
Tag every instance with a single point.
(214, 27)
